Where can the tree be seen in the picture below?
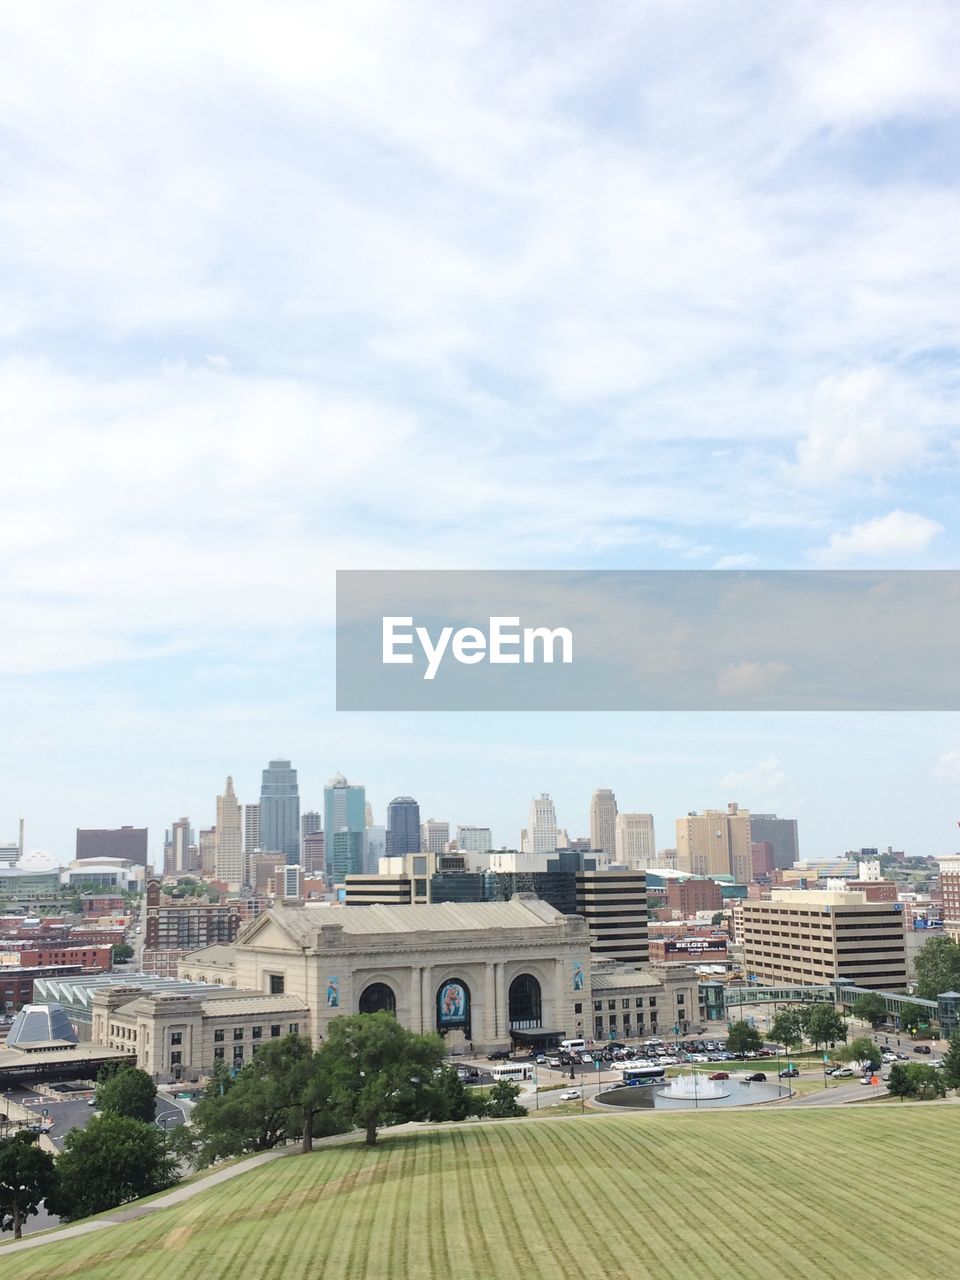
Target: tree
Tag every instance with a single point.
(128, 1092)
(823, 1025)
(502, 1100)
(742, 1038)
(786, 1028)
(900, 1083)
(379, 1072)
(913, 1017)
(451, 1099)
(937, 968)
(950, 1065)
(870, 1007)
(927, 1081)
(716, 918)
(109, 1162)
(862, 1049)
(27, 1177)
(121, 951)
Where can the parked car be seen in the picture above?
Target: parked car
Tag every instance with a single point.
(789, 1073)
(921, 1048)
(868, 1079)
(758, 1077)
(541, 1059)
(499, 1055)
(587, 1059)
(720, 1075)
(570, 1095)
(844, 1071)
(554, 1062)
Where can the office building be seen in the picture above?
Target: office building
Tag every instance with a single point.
(313, 855)
(614, 905)
(178, 858)
(541, 830)
(685, 898)
(229, 866)
(812, 937)
(762, 855)
(280, 810)
(403, 827)
(781, 834)
(310, 823)
(128, 843)
(716, 843)
(434, 835)
(949, 887)
(251, 828)
(344, 852)
(603, 823)
(368, 814)
(636, 844)
(207, 845)
(344, 810)
(474, 839)
(187, 923)
(374, 848)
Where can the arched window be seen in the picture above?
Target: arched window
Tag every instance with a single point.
(525, 1003)
(378, 996)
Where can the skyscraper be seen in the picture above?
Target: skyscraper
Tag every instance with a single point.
(716, 843)
(603, 822)
(542, 825)
(178, 860)
(344, 809)
(782, 835)
(474, 839)
(280, 811)
(228, 857)
(251, 828)
(434, 835)
(403, 826)
(636, 842)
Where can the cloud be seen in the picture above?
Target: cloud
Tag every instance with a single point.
(763, 778)
(947, 767)
(900, 533)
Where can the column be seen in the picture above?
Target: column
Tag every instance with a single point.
(428, 1017)
(489, 1029)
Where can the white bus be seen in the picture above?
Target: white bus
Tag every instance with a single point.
(510, 1071)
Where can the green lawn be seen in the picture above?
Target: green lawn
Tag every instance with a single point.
(761, 1195)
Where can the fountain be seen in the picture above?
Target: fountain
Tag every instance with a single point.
(694, 1088)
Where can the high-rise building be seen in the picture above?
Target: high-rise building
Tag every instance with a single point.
(229, 857)
(403, 826)
(950, 887)
(207, 845)
(603, 822)
(345, 854)
(782, 835)
(280, 810)
(344, 809)
(251, 828)
(636, 845)
(374, 848)
(129, 843)
(434, 835)
(614, 904)
(368, 814)
(313, 856)
(179, 847)
(474, 839)
(310, 823)
(715, 843)
(541, 836)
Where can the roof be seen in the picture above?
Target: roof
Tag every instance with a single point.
(257, 1002)
(303, 922)
(38, 1025)
(218, 953)
(600, 981)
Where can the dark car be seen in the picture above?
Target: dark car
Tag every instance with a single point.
(499, 1055)
(789, 1073)
(921, 1048)
(758, 1077)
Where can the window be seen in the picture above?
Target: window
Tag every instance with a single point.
(275, 1030)
(257, 1032)
(294, 1028)
(639, 1002)
(176, 1058)
(625, 1004)
(218, 1035)
(218, 1053)
(176, 1037)
(611, 1004)
(276, 984)
(578, 1008)
(653, 1002)
(419, 866)
(419, 888)
(238, 1033)
(680, 998)
(598, 1028)
(238, 1053)
(597, 1006)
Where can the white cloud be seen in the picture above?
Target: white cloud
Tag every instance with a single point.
(900, 533)
(947, 767)
(761, 779)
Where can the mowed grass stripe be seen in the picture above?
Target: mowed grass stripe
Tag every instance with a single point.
(817, 1195)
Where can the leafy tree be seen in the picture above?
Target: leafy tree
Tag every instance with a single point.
(109, 1162)
(786, 1028)
(927, 1081)
(900, 1083)
(502, 1100)
(27, 1177)
(937, 968)
(716, 918)
(128, 1092)
(913, 1017)
(862, 1049)
(823, 1025)
(951, 1063)
(451, 1099)
(742, 1038)
(283, 1092)
(121, 951)
(870, 1007)
(379, 1072)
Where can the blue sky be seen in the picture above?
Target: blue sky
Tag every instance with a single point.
(291, 288)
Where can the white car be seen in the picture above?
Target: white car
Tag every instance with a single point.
(570, 1095)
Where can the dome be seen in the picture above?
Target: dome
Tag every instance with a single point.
(40, 1024)
(38, 862)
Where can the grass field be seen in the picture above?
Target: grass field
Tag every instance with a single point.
(737, 1196)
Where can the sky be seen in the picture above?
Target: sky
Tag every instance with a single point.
(289, 288)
